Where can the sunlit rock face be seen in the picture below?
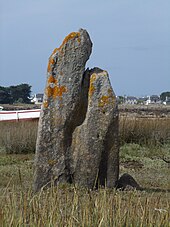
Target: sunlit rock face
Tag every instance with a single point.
(77, 138)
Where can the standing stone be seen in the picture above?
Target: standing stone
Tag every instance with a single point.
(95, 146)
(63, 108)
(78, 128)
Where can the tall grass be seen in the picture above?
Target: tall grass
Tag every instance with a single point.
(145, 131)
(18, 137)
(71, 206)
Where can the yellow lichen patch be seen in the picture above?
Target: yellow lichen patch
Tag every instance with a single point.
(52, 82)
(49, 91)
(52, 162)
(51, 79)
(92, 88)
(53, 89)
(50, 63)
(58, 91)
(49, 67)
(110, 92)
(54, 51)
(79, 40)
(68, 37)
(105, 100)
(45, 104)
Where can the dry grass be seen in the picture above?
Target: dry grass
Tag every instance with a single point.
(18, 137)
(147, 131)
(68, 205)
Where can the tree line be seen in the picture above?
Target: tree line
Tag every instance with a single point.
(15, 94)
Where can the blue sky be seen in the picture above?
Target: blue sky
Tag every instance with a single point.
(131, 40)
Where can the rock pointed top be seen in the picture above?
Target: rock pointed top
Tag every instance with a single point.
(67, 62)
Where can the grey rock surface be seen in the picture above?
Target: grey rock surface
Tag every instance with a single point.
(62, 108)
(127, 182)
(77, 138)
(95, 148)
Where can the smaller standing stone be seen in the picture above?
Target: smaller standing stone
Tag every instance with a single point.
(95, 147)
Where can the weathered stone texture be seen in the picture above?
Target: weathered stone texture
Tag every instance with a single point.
(78, 128)
(95, 142)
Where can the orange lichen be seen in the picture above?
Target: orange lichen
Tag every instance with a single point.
(110, 92)
(92, 88)
(79, 40)
(52, 82)
(49, 91)
(105, 100)
(53, 90)
(69, 37)
(51, 79)
(58, 91)
(50, 63)
(54, 51)
(45, 104)
(52, 162)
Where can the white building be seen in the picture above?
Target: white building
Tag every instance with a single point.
(37, 99)
(153, 99)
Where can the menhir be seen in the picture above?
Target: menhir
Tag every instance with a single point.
(77, 138)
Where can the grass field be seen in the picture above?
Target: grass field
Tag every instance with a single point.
(68, 205)
(141, 155)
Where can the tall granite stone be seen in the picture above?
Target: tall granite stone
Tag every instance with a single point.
(63, 108)
(77, 138)
(95, 148)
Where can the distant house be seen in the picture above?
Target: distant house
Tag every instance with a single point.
(153, 99)
(131, 100)
(142, 100)
(37, 99)
(167, 101)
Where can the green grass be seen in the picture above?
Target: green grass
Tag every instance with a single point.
(67, 205)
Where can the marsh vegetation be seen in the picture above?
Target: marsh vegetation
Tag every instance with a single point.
(144, 146)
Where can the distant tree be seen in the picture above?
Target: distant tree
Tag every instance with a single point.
(120, 99)
(15, 94)
(4, 95)
(22, 91)
(164, 95)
